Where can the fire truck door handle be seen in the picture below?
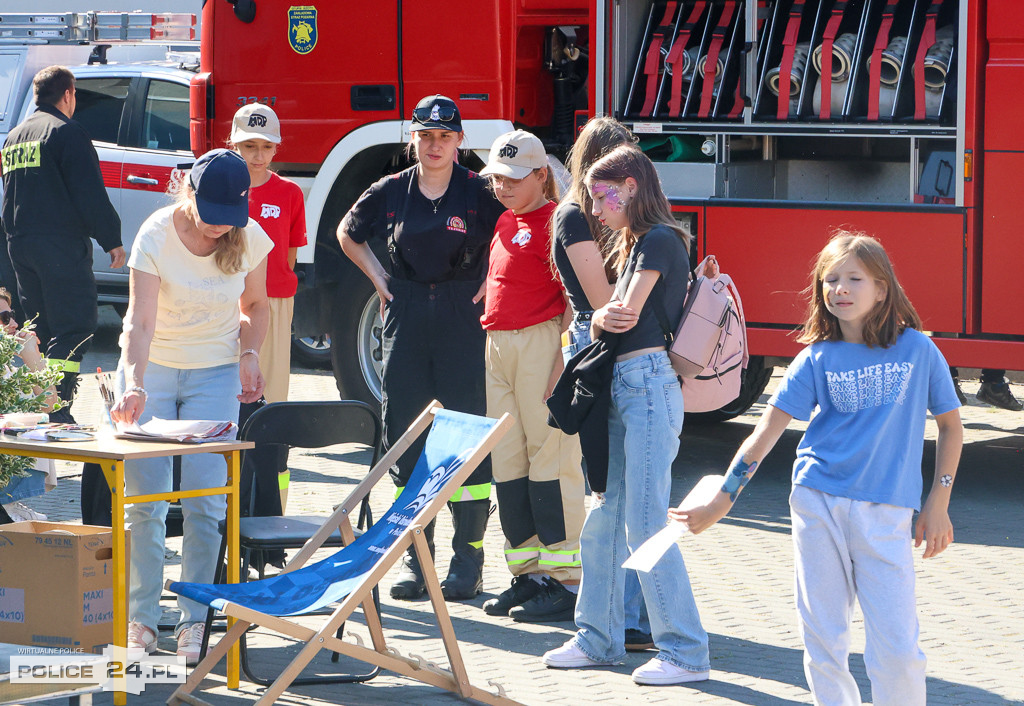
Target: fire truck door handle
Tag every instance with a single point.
(133, 179)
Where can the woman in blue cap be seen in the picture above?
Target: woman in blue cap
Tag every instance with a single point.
(197, 315)
(437, 218)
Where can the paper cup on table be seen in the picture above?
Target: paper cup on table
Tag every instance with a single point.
(648, 554)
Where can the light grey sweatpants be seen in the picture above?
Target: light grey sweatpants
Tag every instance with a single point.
(846, 549)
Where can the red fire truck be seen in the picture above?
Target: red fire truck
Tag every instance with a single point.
(344, 78)
(911, 137)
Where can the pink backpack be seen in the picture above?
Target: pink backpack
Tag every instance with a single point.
(709, 347)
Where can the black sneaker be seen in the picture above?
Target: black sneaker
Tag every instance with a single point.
(959, 392)
(523, 588)
(553, 603)
(998, 394)
(638, 641)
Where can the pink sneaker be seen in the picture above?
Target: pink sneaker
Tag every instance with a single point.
(141, 638)
(190, 642)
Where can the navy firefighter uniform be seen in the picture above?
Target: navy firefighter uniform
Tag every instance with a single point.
(433, 343)
(54, 202)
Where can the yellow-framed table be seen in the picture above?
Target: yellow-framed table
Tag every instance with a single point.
(111, 455)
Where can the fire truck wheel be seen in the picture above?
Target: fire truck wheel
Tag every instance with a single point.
(755, 379)
(356, 344)
(314, 351)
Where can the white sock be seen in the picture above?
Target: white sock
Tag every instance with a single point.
(572, 587)
(539, 578)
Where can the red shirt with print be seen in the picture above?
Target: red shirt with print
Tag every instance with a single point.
(522, 289)
(277, 206)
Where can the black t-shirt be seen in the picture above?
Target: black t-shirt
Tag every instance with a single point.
(451, 244)
(568, 227)
(663, 250)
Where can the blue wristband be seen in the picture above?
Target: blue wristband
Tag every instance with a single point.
(737, 476)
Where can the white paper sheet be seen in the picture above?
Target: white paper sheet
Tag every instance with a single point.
(648, 554)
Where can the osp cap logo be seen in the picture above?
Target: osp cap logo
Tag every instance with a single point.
(257, 120)
(508, 152)
(302, 30)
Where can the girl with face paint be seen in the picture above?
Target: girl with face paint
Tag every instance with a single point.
(645, 420)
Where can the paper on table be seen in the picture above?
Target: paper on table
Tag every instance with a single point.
(648, 553)
(187, 430)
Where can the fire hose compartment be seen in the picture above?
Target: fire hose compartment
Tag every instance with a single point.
(697, 60)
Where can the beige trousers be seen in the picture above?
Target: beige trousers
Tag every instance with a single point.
(537, 469)
(276, 353)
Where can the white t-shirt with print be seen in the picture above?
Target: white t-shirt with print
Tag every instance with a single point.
(197, 318)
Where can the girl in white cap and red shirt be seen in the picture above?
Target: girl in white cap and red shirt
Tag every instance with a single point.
(537, 468)
(276, 204)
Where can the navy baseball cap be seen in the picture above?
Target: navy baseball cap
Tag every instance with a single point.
(220, 181)
(436, 113)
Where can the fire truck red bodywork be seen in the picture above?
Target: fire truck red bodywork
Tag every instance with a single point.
(961, 264)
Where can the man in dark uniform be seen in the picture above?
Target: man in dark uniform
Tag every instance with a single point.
(54, 202)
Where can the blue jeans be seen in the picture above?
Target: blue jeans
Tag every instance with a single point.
(636, 609)
(644, 423)
(199, 393)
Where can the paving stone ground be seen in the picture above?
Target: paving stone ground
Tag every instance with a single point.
(971, 613)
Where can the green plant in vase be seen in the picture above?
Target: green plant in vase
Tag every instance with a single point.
(23, 388)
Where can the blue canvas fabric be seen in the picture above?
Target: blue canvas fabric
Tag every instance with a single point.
(451, 440)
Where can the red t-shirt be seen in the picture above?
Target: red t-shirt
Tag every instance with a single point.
(277, 206)
(522, 290)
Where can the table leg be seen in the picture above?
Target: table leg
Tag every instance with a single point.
(234, 552)
(114, 472)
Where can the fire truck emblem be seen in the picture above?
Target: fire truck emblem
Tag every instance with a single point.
(302, 33)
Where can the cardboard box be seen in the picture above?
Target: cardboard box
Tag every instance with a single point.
(56, 585)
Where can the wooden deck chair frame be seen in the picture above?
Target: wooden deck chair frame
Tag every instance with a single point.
(455, 679)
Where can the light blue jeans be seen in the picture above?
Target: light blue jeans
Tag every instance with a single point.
(199, 393)
(636, 610)
(644, 423)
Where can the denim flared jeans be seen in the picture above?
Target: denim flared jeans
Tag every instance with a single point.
(644, 424)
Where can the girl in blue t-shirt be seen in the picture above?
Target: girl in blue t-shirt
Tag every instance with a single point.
(645, 418)
(865, 382)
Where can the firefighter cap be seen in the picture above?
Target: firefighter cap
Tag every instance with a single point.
(436, 113)
(220, 181)
(255, 121)
(516, 154)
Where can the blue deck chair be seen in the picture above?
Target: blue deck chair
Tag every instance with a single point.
(455, 446)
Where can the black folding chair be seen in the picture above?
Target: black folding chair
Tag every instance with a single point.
(305, 425)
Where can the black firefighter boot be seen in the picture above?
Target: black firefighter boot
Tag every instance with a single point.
(409, 583)
(66, 389)
(465, 574)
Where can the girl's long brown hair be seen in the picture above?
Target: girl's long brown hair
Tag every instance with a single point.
(886, 321)
(648, 208)
(598, 137)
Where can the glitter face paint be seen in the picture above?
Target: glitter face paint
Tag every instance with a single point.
(609, 204)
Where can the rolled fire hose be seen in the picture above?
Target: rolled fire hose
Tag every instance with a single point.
(936, 60)
(892, 61)
(689, 60)
(796, 75)
(842, 56)
(719, 69)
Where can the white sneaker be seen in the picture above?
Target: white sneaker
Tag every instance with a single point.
(659, 672)
(569, 656)
(190, 642)
(20, 512)
(141, 638)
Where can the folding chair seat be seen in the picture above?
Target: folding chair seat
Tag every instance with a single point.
(455, 446)
(306, 425)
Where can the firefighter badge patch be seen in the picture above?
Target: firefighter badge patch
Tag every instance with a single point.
(302, 33)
